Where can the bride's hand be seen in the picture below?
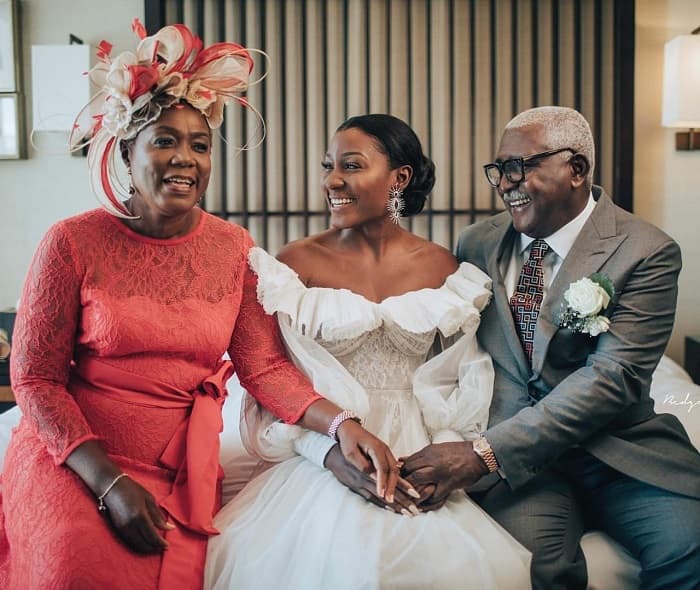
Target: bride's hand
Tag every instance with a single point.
(366, 485)
(369, 454)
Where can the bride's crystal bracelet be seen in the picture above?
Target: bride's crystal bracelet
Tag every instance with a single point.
(338, 420)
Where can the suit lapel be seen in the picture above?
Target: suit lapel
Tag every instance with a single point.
(595, 244)
(499, 246)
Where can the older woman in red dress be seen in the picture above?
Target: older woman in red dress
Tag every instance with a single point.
(111, 478)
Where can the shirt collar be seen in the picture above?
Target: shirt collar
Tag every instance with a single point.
(562, 239)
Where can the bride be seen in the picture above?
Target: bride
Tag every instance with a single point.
(383, 322)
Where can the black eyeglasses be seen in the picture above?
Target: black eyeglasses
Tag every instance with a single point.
(514, 168)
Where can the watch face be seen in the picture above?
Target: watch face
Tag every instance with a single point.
(480, 446)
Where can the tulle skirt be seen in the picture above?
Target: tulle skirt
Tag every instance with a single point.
(296, 527)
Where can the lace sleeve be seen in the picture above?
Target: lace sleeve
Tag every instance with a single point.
(44, 337)
(260, 359)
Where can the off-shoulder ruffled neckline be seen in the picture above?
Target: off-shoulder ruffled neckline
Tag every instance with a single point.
(336, 314)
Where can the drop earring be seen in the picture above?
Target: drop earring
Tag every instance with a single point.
(132, 190)
(396, 203)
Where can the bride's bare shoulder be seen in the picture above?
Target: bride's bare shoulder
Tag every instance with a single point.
(306, 254)
(434, 259)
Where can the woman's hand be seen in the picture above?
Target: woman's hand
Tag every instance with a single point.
(429, 501)
(366, 485)
(364, 450)
(136, 517)
(131, 508)
(370, 455)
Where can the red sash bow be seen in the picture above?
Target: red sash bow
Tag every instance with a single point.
(193, 451)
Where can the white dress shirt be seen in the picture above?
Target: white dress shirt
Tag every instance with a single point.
(560, 242)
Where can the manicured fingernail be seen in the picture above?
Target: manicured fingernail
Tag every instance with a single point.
(413, 493)
(405, 512)
(390, 498)
(414, 510)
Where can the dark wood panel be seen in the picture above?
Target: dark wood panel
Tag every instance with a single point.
(615, 149)
(623, 156)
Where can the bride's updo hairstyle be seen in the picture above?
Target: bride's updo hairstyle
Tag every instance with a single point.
(402, 147)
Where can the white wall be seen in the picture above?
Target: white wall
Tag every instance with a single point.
(666, 185)
(51, 184)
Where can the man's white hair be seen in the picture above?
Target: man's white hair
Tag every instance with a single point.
(562, 128)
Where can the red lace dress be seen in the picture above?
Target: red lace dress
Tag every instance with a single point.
(119, 339)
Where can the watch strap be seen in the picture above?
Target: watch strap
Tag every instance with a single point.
(484, 450)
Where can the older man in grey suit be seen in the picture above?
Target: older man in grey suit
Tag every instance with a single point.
(573, 440)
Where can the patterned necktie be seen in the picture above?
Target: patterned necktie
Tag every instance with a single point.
(525, 302)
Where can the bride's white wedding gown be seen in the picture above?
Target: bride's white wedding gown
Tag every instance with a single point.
(295, 526)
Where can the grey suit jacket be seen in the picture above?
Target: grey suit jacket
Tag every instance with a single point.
(586, 391)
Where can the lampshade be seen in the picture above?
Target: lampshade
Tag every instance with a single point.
(681, 99)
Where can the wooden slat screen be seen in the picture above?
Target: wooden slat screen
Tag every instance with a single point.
(456, 70)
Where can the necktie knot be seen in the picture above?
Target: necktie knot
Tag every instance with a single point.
(538, 250)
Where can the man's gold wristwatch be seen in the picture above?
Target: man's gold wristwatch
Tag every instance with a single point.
(483, 449)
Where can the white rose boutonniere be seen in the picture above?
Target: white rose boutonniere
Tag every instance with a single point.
(586, 300)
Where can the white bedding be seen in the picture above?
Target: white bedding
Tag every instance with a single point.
(672, 390)
(675, 393)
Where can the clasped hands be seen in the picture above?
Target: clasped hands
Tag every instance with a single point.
(362, 462)
(421, 482)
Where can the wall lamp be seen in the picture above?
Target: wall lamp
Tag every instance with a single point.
(681, 98)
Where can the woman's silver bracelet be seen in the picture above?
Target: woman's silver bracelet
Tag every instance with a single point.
(101, 506)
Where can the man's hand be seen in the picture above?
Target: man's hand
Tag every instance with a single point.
(439, 469)
(366, 485)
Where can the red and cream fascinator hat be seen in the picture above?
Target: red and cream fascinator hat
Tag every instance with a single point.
(168, 67)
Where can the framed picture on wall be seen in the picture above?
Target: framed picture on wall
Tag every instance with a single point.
(8, 57)
(12, 140)
(11, 132)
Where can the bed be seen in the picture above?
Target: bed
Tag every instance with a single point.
(609, 565)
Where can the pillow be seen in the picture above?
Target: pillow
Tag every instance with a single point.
(674, 392)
